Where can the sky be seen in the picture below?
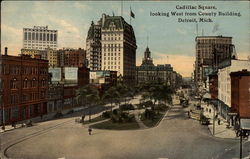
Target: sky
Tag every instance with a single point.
(169, 41)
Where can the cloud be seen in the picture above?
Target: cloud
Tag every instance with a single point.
(181, 31)
(11, 30)
(81, 6)
(12, 38)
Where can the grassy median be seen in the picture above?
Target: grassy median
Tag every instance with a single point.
(116, 126)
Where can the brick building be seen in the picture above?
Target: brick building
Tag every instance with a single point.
(71, 57)
(213, 85)
(24, 87)
(240, 94)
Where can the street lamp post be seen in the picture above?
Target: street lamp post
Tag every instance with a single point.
(214, 121)
(243, 132)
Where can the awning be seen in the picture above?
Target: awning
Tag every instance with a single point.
(245, 124)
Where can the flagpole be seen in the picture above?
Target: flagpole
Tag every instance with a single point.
(130, 16)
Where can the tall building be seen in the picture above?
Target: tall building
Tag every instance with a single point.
(24, 87)
(111, 45)
(210, 51)
(93, 47)
(118, 46)
(39, 37)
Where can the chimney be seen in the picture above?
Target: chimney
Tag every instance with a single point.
(6, 51)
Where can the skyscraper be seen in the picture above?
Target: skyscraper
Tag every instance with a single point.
(210, 51)
(40, 38)
(111, 45)
(93, 47)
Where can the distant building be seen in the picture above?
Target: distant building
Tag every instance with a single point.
(40, 38)
(94, 47)
(24, 87)
(103, 77)
(55, 97)
(210, 51)
(149, 72)
(52, 57)
(71, 57)
(34, 52)
(240, 94)
(213, 85)
(224, 83)
(111, 45)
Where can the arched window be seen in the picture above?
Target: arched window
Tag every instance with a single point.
(25, 83)
(33, 82)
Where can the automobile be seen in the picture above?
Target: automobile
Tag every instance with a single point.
(204, 120)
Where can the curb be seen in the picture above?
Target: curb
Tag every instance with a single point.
(221, 137)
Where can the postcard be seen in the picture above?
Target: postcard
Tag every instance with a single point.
(125, 80)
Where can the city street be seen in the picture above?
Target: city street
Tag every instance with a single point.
(175, 137)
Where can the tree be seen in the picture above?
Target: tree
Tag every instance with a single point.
(81, 95)
(92, 99)
(111, 95)
(88, 95)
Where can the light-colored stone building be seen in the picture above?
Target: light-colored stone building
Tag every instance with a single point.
(40, 38)
(52, 56)
(116, 39)
(224, 83)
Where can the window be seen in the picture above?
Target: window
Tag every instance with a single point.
(25, 36)
(55, 37)
(36, 36)
(44, 37)
(47, 37)
(13, 99)
(29, 36)
(41, 36)
(51, 37)
(25, 83)
(33, 36)
(13, 84)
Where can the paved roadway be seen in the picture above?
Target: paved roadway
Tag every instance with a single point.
(176, 137)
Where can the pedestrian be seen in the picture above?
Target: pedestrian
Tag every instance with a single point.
(218, 121)
(83, 118)
(90, 130)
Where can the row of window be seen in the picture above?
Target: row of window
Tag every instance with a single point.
(111, 67)
(15, 98)
(111, 54)
(16, 69)
(111, 58)
(14, 83)
(40, 36)
(14, 113)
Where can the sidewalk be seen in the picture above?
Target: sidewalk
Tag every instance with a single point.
(222, 130)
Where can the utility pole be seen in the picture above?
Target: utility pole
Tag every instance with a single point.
(213, 121)
(241, 134)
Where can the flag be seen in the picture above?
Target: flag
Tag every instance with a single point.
(132, 14)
